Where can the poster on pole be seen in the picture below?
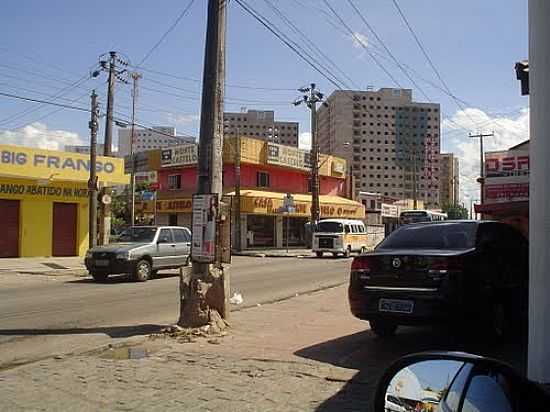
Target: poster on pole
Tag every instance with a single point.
(204, 219)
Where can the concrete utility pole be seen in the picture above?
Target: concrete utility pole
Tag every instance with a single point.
(538, 368)
(481, 179)
(414, 179)
(135, 77)
(92, 183)
(196, 308)
(311, 97)
(238, 232)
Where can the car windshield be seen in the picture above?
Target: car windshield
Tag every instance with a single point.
(138, 235)
(330, 227)
(432, 236)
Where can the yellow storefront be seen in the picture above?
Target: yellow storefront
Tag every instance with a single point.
(44, 200)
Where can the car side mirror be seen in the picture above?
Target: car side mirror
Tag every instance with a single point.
(437, 381)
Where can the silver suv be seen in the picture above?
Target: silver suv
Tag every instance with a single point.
(141, 251)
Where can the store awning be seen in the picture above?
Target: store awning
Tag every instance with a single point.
(270, 203)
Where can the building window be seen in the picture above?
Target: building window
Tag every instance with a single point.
(174, 182)
(262, 179)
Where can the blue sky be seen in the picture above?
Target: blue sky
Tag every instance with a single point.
(45, 46)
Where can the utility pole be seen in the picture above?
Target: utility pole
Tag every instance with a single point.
(196, 307)
(110, 66)
(92, 183)
(481, 179)
(238, 232)
(311, 97)
(135, 77)
(415, 184)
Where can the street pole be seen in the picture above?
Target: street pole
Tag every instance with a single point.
(311, 97)
(538, 361)
(196, 307)
(415, 189)
(238, 232)
(481, 162)
(135, 77)
(92, 183)
(287, 230)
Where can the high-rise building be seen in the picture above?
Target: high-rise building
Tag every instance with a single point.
(449, 178)
(149, 139)
(85, 149)
(385, 136)
(261, 124)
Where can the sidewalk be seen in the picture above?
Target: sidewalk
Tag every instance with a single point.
(259, 366)
(275, 253)
(44, 265)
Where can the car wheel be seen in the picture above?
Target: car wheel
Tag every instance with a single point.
(99, 276)
(142, 271)
(363, 250)
(347, 252)
(383, 328)
(188, 260)
(319, 254)
(334, 254)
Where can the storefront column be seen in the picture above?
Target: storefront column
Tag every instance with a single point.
(538, 368)
(279, 243)
(244, 232)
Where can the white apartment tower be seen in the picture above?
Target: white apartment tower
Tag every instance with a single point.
(149, 139)
(385, 136)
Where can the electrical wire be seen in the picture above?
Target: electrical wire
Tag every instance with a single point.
(172, 27)
(28, 99)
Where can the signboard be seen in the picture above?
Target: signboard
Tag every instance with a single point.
(28, 189)
(204, 219)
(182, 155)
(281, 155)
(19, 161)
(389, 210)
(338, 167)
(507, 176)
(175, 206)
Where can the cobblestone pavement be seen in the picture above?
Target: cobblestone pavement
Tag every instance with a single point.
(172, 380)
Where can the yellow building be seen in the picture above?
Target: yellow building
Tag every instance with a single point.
(44, 200)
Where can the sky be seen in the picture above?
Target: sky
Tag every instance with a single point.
(47, 50)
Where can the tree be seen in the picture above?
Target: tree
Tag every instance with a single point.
(455, 211)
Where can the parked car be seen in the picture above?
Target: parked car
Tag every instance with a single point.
(141, 251)
(474, 272)
(340, 236)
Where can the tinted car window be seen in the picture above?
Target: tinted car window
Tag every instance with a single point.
(138, 235)
(165, 236)
(432, 236)
(180, 235)
(330, 227)
(452, 399)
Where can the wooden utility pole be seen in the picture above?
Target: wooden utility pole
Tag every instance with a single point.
(92, 183)
(481, 179)
(196, 307)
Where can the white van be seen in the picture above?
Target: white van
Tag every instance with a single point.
(340, 236)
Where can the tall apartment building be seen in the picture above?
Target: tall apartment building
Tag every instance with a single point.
(149, 139)
(449, 178)
(85, 149)
(261, 124)
(385, 136)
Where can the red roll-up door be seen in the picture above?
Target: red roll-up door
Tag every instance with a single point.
(9, 225)
(64, 229)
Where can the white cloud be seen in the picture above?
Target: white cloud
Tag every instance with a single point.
(180, 119)
(359, 40)
(304, 141)
(509, 131)
(38, 135)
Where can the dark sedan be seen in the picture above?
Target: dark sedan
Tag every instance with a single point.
(471, 272)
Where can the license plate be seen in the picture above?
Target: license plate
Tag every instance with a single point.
(101, 262)
(395, 305)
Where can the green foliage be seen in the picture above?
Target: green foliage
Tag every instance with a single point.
(455, 211)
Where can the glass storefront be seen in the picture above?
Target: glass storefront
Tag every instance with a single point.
(260, 231)
(296, 229)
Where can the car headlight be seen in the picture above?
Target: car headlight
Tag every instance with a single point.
(89, 254)
(123, 255)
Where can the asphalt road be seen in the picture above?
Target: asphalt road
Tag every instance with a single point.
(39, 313)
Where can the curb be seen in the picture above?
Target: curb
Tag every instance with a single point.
(273, 255)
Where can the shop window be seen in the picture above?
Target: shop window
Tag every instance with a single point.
(174, 182)
(262, 179)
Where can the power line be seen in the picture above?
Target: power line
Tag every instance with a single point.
(354, 35)
(172, 27)
(28, 99)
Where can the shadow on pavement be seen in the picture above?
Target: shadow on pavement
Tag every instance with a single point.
(371, 355)
(122, 279)
(112, 331)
